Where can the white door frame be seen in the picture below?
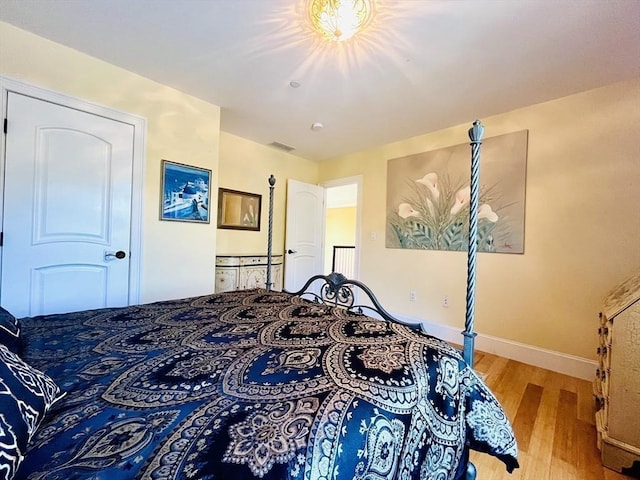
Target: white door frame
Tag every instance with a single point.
(139, 143)
(338, 182)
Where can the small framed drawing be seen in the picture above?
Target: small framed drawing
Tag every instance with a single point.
(185, 193)
(238, 210)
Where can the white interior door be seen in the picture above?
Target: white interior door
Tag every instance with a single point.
(304, 234)
(67, 209)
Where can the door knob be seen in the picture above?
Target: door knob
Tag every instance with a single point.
(111, 255)
(292, 251)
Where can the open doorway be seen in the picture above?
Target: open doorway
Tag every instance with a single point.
(342, 226)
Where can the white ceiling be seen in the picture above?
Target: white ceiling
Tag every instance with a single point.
(422, 66)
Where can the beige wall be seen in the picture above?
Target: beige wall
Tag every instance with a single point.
(582, 226)
(180, 128)
(340, 230)
(246, 166)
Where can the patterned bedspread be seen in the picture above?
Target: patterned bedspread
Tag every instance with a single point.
(254, 384)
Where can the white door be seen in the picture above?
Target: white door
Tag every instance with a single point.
(304, 234)
(67, 209)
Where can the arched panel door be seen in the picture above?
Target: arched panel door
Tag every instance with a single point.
(67, 209)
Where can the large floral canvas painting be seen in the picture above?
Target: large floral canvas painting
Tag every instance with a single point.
(428, 197)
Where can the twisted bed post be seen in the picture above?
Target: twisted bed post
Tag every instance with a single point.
(272, 182)
(475, 134)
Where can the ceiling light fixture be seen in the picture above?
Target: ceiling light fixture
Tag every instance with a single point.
(339, 20)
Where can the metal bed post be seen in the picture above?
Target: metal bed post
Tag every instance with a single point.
(475, 134)
(272, 182)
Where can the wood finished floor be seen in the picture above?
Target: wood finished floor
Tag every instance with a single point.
(553, 419)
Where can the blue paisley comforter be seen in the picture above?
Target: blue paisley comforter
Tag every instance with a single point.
(254, 384)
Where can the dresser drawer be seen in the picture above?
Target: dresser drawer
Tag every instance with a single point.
(227, 261)
(226, 279)
(604, 357)
(253, 261)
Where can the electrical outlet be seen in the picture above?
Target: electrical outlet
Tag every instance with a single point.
(412, 296)
(445, 301)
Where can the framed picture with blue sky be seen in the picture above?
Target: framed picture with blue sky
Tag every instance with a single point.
(185, 193)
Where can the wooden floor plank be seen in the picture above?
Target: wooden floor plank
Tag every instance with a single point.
(526, 416)
(541, 442)
(511, 384)
(586, 402)
(589, 463)
(564, 456)
(564, 439)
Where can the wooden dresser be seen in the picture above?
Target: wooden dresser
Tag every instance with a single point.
(617, 385)
(240, 272)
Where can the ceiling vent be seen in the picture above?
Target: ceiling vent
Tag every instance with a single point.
(282, 146)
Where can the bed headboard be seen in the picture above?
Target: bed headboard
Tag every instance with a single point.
(337, 290)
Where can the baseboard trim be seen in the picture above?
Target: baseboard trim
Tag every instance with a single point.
(571, 365)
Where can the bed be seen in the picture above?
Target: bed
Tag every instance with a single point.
(251, 384)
